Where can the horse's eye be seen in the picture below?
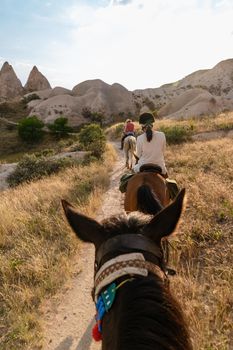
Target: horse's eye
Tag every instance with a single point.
(96, 266)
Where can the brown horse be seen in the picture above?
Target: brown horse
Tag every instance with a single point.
(135, 308)
(146, 192)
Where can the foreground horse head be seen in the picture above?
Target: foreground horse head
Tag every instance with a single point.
(130, 279)
(129, 150)
(146, 192)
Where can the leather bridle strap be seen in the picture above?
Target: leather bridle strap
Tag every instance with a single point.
(127, 242)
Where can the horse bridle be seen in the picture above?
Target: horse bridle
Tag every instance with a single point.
(134, 243)
(130, 241)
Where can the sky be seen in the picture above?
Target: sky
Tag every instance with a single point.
(137, 43)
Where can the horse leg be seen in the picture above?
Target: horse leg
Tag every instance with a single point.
(130, 160)
(126, 157)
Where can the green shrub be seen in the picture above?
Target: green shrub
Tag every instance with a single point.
(30, 97)
(98, 117)
(118, 130)
(31, 168)
(5, 108)
(95, 117)
(92, 138)
(88, 159)
(47, 152)
(13, 110)
(60, 127)
(176, 134)
(30, 129)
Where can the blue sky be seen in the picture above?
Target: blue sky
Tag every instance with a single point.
(137, 43)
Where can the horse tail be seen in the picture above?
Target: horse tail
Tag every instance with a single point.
(147, 201)
(131, 144)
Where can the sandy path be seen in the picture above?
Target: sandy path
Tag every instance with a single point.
(70, 317)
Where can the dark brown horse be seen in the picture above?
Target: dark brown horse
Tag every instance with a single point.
(146, 192)
(131, 269)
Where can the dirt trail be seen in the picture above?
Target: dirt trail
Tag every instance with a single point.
(69, 319)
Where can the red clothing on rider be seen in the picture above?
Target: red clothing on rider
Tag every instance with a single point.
(129, 127)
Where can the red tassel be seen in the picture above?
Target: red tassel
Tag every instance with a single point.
(97, 336)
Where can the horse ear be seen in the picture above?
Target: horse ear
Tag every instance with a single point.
(87, 229)
(165, 222)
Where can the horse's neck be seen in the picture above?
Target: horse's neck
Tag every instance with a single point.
(144, 316)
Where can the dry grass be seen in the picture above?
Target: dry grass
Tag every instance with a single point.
(12, 149)
(204, 253)
(36, 245)
(194, 125)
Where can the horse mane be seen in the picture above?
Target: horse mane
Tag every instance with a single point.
(151, 316)
(122, 223)
(147, 200)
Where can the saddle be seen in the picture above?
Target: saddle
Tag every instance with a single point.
(172, 186)
(150, 167)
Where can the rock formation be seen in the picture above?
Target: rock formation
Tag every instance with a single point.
(36, 81)
(203, 92)
(208, 91)
(10, 85)
(92, 95)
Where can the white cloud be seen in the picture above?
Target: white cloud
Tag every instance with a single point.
(119, 2)
(144, 43)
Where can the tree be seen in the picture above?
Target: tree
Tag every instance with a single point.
(60, 127)
(30, 129)
(92, 138)
(96, 117)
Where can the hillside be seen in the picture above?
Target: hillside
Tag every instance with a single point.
(205, 92)
(212, 92)
(91, 95)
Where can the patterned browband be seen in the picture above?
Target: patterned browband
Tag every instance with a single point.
(126, 243)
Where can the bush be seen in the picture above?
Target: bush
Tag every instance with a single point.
(95, 117)
(30, 97)
(92, 138)
(114, 132)
(31, 168)
(13, 110)
(60, 127)
(98, 117)
(30, 129)
(176, 134)
(5, 108)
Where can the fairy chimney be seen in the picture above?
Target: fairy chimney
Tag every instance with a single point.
(36, 81)
(10, 85)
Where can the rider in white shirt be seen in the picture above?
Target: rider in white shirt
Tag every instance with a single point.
(151, 144)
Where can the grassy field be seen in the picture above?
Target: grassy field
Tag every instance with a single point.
(12, 149)
(203, 251)
(36, 245)
(32, 222)
(203, 254)
(183, 128)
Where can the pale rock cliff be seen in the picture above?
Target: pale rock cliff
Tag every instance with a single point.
(36, 81)
(10, 85)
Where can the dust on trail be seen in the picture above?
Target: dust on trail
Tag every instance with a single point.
(69, 319)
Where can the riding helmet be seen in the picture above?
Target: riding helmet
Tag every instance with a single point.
(146, 118)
